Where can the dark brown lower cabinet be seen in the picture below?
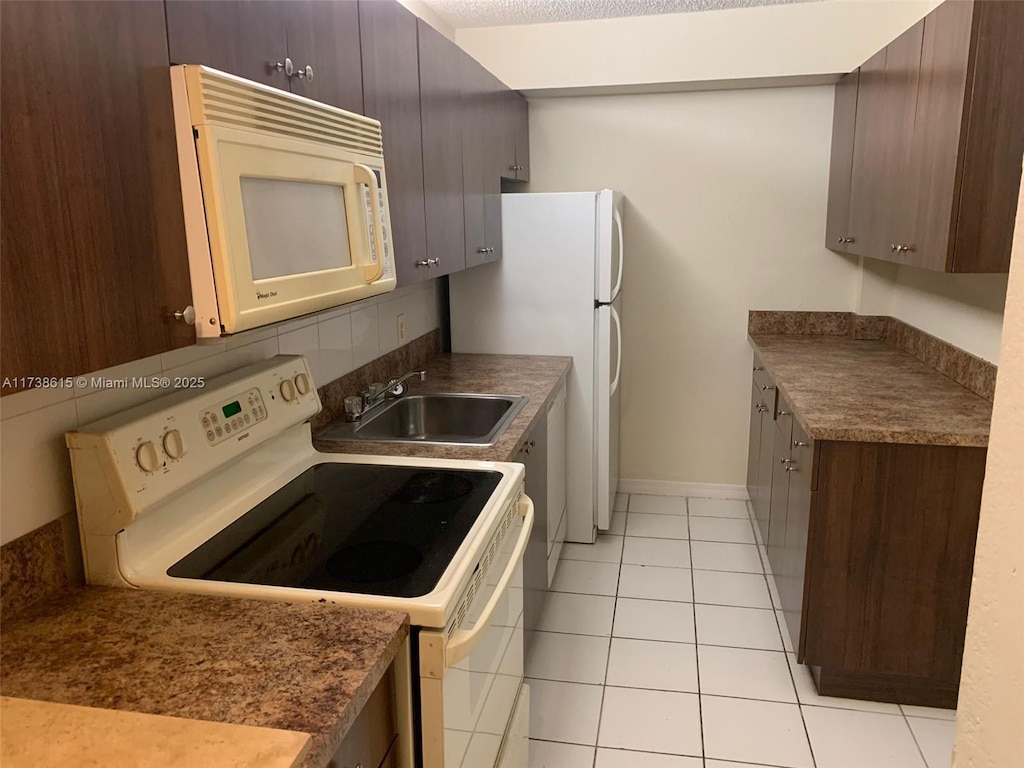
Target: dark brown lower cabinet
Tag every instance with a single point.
(373, 739)
(871, 548)
(762, 439)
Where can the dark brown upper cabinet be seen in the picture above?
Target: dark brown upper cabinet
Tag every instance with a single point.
(92, 234)
(391, 94)
(247, 38)
(473, 107)
(325, 37)
(519, 120)
(938, 142)
(441, 113)
(253, 39)
(844, 119)
(481, 163)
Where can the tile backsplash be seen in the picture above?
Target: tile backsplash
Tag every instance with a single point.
(37, 487)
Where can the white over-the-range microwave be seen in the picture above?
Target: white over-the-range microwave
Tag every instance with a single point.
(285, 202)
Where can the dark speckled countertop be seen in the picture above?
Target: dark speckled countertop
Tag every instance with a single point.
(298, 667)
(537, 377)
(868, 391)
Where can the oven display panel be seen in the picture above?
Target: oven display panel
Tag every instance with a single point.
(233, 417)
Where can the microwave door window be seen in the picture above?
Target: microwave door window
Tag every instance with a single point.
(294, 227)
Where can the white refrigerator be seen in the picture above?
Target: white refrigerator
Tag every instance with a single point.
(557, 290)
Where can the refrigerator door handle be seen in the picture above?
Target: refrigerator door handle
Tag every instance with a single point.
(617, 218)
(618, 346)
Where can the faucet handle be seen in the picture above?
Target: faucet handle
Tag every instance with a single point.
(353, 408)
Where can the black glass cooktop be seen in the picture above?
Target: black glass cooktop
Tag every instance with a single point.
(366, 528)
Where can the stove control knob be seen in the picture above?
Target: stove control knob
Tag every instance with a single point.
(174, 444)
(287, 390)
(146, 457)
(302, 383)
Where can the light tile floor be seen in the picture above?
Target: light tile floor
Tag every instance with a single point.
(662, 646)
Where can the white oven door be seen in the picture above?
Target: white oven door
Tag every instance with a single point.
(469, 685)
(294, 226)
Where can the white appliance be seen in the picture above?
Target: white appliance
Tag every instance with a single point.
(220, 491)
(558, 291)
(285, 202)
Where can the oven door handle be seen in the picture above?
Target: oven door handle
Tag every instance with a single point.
(463, 641)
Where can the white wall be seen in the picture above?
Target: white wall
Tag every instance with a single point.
(35, 473)
(989, 733)
(726, 196)
(796, 40)
(965, 310)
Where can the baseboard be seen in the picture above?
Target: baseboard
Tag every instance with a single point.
(692, 490)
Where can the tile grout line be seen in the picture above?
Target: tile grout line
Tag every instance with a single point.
(611, 635)
(696, 644)
(913, 735)
(792, 678)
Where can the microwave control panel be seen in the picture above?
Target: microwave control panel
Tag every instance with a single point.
(385, 235)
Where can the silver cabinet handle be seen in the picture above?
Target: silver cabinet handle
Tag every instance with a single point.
(490, 249)
(785, 461)
(186, 315)
(799, 444)
(906, 248)
(482, 250)
(758, 367)
(850, 240)
(766, 387)
(423, 263)
(287, 66)
(791, 468)
(892, 247)
(305, 73)
(434, 262)
(781, 412)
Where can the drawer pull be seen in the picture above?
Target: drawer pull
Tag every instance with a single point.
(766, 387)
(781, 412)
(799, 444)
(791, 468)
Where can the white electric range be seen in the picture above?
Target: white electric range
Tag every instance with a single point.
(219, 491)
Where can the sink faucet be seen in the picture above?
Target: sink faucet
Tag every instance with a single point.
(377, 394)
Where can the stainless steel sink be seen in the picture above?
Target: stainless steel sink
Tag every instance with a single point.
(438, 419)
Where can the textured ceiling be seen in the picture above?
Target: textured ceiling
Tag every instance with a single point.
(488, 13)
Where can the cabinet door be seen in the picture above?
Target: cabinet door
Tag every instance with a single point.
(992, 149)
(505, 131)
(473, 160)
(899, 189)
(754, 446)
(498, 158)
(325, 36)
(867, 201)
(92, 233)
(844, 119)
(556, 465)
(789, 582)
(441, 110)
(534, 455)
(243, 37)
(782, 436)
(521, 126)
(391, 94)
(934, 154)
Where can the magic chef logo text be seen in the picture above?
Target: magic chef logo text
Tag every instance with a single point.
(270, 295)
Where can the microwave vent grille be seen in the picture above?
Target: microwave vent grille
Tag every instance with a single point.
(225, 100)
